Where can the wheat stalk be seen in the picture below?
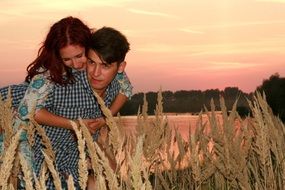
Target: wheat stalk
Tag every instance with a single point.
(116, 138)
(43, 176)
(219, 157)
(82, 163)
(37, 184)
(91, 149)
(27, 173)
(108, 171)
(100, 183)
(53, 171)
(70, 183)
(8, 159)
(135, 165)
(45, 140)
(7, 118)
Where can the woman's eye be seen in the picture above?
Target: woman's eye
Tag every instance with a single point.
(89, 61)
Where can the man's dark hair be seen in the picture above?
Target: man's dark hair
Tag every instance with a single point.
(110, 44)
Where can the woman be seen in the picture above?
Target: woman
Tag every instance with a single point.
(61, 56)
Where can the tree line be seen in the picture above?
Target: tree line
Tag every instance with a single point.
(187, 101)
(193, 101)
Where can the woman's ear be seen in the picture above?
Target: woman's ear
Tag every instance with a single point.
(122, 67)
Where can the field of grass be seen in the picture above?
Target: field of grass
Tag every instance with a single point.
(222, 151)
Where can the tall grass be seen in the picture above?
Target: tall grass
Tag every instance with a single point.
(223, 152)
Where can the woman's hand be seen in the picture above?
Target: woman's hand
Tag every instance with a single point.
(94, 124)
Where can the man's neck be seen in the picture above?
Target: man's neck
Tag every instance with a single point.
(101, 93)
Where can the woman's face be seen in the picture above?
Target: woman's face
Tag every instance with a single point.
(73, 56)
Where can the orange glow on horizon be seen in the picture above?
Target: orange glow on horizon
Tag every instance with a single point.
(186, 45)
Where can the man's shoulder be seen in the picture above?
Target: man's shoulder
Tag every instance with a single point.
(114, 85)
(113, 89)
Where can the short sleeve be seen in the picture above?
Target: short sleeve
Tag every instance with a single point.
(126, 87)
(36, 95)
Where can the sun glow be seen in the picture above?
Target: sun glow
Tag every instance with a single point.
(193, 39)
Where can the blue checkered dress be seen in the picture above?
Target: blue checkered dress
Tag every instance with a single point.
(17, 93)
(71, 101)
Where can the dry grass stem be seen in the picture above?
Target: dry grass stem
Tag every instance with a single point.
(97, 168)
(70, 183)
(28, 174)
(8, 159)
(53, 171)
(45, 140)
(116, 138)
(222, 151)
(109, 174)
(6, 119)
(82, 163)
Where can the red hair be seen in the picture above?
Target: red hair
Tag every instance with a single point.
(67, 31)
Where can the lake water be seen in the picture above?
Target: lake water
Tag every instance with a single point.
(181, 122)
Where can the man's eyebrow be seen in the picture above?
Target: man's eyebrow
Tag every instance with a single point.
(97, 62)
(79, 54)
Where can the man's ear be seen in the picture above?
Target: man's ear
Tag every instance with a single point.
(122, 67)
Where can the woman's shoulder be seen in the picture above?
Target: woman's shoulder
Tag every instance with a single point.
(40, 80)
(42, 75)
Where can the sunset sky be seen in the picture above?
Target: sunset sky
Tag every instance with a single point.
(181, 44)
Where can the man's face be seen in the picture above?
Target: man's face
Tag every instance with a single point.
(100, 74)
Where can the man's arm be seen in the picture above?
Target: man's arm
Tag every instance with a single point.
(118, 103)
(125, 93)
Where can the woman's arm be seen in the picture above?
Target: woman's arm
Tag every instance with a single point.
(36, 100)
(44, 117)
(35, 96)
